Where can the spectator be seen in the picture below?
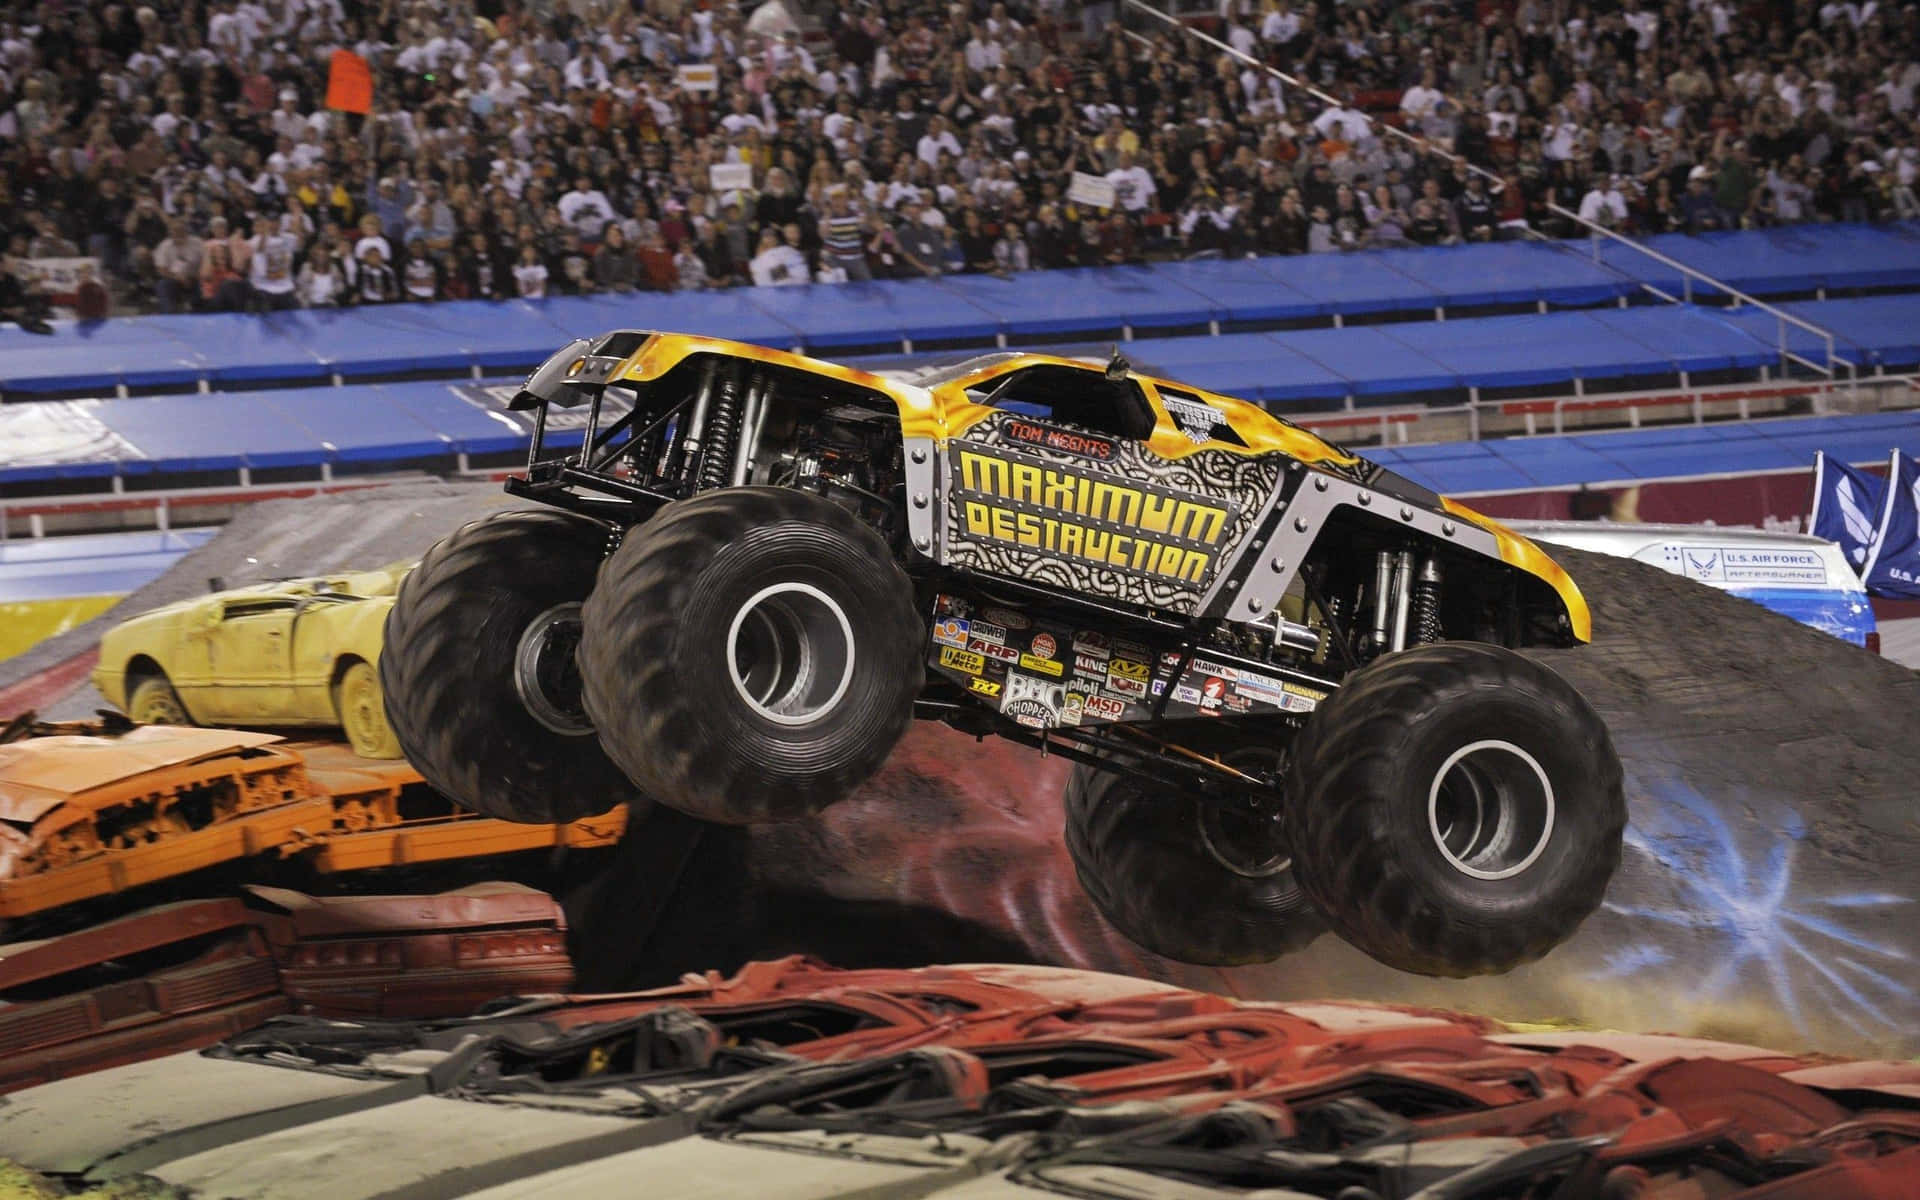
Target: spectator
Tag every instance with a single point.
(375, 282)
(922, 244)
(614, 267)
(1605, 204)
(530, 274)
(323, 281)
(777, 264)
(841, 238)
(270, 266)
(176, 264)
(112, 127)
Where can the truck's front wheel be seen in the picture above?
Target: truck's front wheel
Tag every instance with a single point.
(477, 669)
(752, 654)
(1460, 809)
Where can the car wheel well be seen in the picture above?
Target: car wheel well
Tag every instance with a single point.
(142, 666)
(341, 665)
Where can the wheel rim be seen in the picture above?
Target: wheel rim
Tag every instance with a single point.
(1246, 841)
(546, 671)
(362, 711)
(1490, 810)
(790, 653)
(159, 709)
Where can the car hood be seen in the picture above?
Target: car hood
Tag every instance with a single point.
(40, 774)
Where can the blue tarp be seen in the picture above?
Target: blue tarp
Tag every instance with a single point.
(1673, 452)
(1795, 258)
(232, 350)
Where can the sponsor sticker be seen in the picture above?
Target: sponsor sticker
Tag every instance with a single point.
(1159, 686)
(1043, 645)
(1106, 708)
(1136, 688)
(1202, 667)
(962, 660)
(1046, 666)
(1035, 703)
(1133, 650)
(994, 650)
(1076, 705)
(1125, 668)
(987, 631)
(951, 631)
(1186, 695)
(1006, 618)
(1065, 441)
(985, 687)
(1302, 690)
(1092, 644)
(1087, 664)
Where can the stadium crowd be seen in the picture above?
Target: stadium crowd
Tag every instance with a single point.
(517, 148)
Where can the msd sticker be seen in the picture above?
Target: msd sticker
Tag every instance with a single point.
(1105, 708)
(951, 631)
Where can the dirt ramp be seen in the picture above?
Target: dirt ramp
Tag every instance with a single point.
(1771, 885)
(1770, 890)
(278, 539)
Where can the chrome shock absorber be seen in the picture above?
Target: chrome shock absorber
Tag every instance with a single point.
(1426, 601)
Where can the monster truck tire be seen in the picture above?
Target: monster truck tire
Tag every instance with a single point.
(751, 654)
(1146, 859)
(453, 670)
(1459, 809)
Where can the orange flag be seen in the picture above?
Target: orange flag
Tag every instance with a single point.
(349, 83)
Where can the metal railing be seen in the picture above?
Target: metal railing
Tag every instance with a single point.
(1831, 369)
(1495, 183)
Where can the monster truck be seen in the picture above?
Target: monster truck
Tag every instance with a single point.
(1287, 678)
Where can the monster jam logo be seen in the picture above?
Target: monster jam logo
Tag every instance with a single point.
(1136, 528)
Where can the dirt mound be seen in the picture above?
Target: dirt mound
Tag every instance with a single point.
(1768, 892)
(280, 539)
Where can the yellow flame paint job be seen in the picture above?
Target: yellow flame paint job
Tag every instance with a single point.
(947, 412)
(1517, 551)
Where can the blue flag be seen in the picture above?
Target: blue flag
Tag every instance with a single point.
(1846, 507)
(1893, 562)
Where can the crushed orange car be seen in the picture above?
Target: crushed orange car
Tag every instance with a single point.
(88, 811)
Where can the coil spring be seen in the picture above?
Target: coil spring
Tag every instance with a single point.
(723, 430)
(1426, 610)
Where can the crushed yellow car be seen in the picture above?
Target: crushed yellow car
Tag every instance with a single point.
(304, 652)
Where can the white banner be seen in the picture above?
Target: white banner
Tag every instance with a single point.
(60, 278)
(56, 432)
(1091, 190)
(731, 177)
(699, 77)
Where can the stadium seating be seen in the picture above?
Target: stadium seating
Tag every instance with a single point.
(233, 351)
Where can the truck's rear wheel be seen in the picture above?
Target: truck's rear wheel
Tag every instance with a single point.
(752, 654)
(1187, 879)
(1460, 809)
(476, 671)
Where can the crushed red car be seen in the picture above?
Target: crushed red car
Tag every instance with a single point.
(793, 1079)
(186, 975)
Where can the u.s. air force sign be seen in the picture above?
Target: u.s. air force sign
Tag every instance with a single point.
(1023, 515)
